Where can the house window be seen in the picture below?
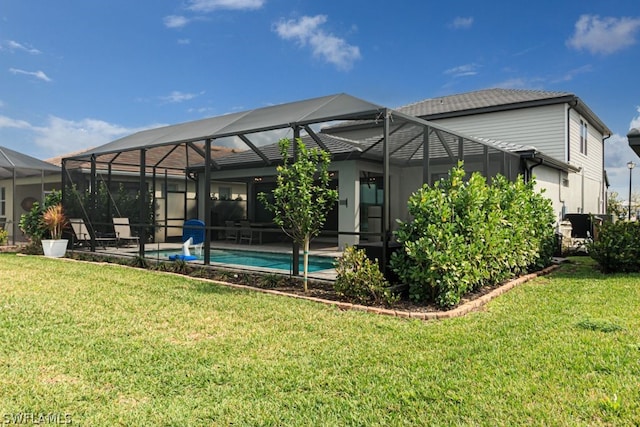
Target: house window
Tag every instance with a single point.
(583, 137)
(3, 202)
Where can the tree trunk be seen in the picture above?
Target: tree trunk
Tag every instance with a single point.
(305, 262)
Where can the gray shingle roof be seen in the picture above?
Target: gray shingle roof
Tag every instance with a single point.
(481, 99)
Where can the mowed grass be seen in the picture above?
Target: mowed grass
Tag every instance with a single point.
(110, 345)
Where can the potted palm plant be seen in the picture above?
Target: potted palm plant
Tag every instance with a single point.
(55, 221)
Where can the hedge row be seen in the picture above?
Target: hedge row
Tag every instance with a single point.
(617, 247)
(466, 234)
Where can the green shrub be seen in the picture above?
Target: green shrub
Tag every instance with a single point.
(32, 223)
(360, 279)
(466, 234)
(617, 248)
(4, 236)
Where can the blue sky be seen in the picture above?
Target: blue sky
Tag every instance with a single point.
(79, 73)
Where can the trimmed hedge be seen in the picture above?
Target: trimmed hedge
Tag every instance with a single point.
(466, 234)
(617, 248)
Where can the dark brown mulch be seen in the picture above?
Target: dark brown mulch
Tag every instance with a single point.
(324, 290)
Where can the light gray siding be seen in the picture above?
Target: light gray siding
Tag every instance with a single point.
(541, 127)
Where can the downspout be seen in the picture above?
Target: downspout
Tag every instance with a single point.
(528, 169)
(560, 198)
(605, 192)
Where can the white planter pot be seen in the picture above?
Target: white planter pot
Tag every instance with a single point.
(54, 248)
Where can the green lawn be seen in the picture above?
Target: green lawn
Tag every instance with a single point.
(110, 345)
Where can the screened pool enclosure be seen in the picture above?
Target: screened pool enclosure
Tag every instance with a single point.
(214, 168)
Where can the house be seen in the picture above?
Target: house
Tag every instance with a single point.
(558, 124)
(558, 137)
(375, 170)
(380, 155)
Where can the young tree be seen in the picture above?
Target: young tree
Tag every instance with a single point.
(615, 206)
(302, 198)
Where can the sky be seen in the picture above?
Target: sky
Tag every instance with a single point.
(76, 74)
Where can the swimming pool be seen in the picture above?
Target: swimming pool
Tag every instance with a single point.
(240, 258)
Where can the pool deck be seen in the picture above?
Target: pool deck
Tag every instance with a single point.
(317, 248)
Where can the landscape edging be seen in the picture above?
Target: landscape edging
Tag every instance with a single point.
(459, 311)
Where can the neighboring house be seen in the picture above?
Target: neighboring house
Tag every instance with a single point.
(558, 124)
(23, 181)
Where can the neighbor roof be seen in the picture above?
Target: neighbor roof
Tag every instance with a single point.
(22, 164)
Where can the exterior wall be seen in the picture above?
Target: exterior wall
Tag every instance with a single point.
(541, 127)
(587, 186)
(545, 128)
(25, 187)
(554, 185)
(349, 202)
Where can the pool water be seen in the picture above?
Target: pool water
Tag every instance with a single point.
(278, 261)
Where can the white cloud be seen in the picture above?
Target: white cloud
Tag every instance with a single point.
(604, 36)
(635, 122)
(60, 136)
(175, 21)
(37, 74)
(12, 45)
(569, 75)
(461, 23)
(184, 41)
(616, 155)
(463, 70)
(211, 5)
(7, 122)
(177, 96)
(327, 46)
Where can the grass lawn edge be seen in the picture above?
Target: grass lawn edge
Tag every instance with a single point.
(458, 311)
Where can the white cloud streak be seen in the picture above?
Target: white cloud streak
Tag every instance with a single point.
(8, 122)
(177, 97)
(463, 70)
(307, 31)
(461, 23)
(211, 5)
(37, 74)
(12, 46)
(603, 35)
(175, 21)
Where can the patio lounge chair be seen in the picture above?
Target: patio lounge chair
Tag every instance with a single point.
(83, 236)
(123, 231)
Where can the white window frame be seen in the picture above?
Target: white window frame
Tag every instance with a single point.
(584, 136)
